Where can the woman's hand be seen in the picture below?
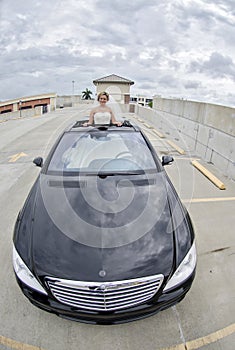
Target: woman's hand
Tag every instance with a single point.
(118, 123)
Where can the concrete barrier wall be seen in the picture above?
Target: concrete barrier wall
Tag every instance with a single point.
(24, 113)
(201, 129)
(71, 101)
(215, 116)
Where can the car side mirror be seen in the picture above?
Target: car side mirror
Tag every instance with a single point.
(167, 160)
(38, 161)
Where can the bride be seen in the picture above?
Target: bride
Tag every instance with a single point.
(102, 114)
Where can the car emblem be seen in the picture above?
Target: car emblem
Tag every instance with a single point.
(100, 288)
(102, 273)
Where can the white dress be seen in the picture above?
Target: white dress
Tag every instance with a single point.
(102, 118)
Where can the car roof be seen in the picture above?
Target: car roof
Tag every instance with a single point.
(126, 126)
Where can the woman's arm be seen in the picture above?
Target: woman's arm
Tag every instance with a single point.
(113, 119)
(91, 119)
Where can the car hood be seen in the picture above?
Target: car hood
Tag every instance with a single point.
(95, 228)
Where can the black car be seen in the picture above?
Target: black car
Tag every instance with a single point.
(103, 237)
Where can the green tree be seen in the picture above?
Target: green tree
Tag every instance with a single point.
(86, 94)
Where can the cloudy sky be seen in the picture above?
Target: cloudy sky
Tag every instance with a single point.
(172, 48)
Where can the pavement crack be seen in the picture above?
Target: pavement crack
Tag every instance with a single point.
(218, 250)
(179, 326)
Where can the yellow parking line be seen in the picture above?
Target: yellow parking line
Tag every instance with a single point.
(185, 158)
(190, 345)
(178, 149)
(203, 200)
(175, 347)
(211, 338)
(36, 116)
(148, 125)
(16, 156)
(12, 344)
(204, 341)
(159, 134)
(209, 175)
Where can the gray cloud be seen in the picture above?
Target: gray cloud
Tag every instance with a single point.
(171, 48)
(217, 66)
(190, 84)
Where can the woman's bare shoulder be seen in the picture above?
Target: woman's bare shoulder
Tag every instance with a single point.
(109, 109)
(95, 110)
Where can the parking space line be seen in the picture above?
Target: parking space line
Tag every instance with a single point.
(148, 125)
(189, 345)
(206, 340)
(209, 175)
(152, 130)
(185, 158)
(158, 133)
(16, 156)
(151, 133)
(211, 338)
(15, 345)
(177, 148)
(204, 200)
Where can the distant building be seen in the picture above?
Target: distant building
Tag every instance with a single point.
(47, 101)
(141, 100)
(116, 86)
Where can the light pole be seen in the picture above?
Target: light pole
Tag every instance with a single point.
(20, 103)
(73, 81)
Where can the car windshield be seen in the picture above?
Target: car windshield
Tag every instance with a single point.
(102, 152)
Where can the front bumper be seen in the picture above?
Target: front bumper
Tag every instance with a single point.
(158, 303)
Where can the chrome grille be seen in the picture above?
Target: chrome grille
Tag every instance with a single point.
(106, 296)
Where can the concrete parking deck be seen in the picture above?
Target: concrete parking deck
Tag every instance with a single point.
(203, 320)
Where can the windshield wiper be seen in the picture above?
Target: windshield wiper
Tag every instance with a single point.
(115, 173)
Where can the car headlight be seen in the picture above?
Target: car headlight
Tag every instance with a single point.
(24, 274)
(184, 270)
